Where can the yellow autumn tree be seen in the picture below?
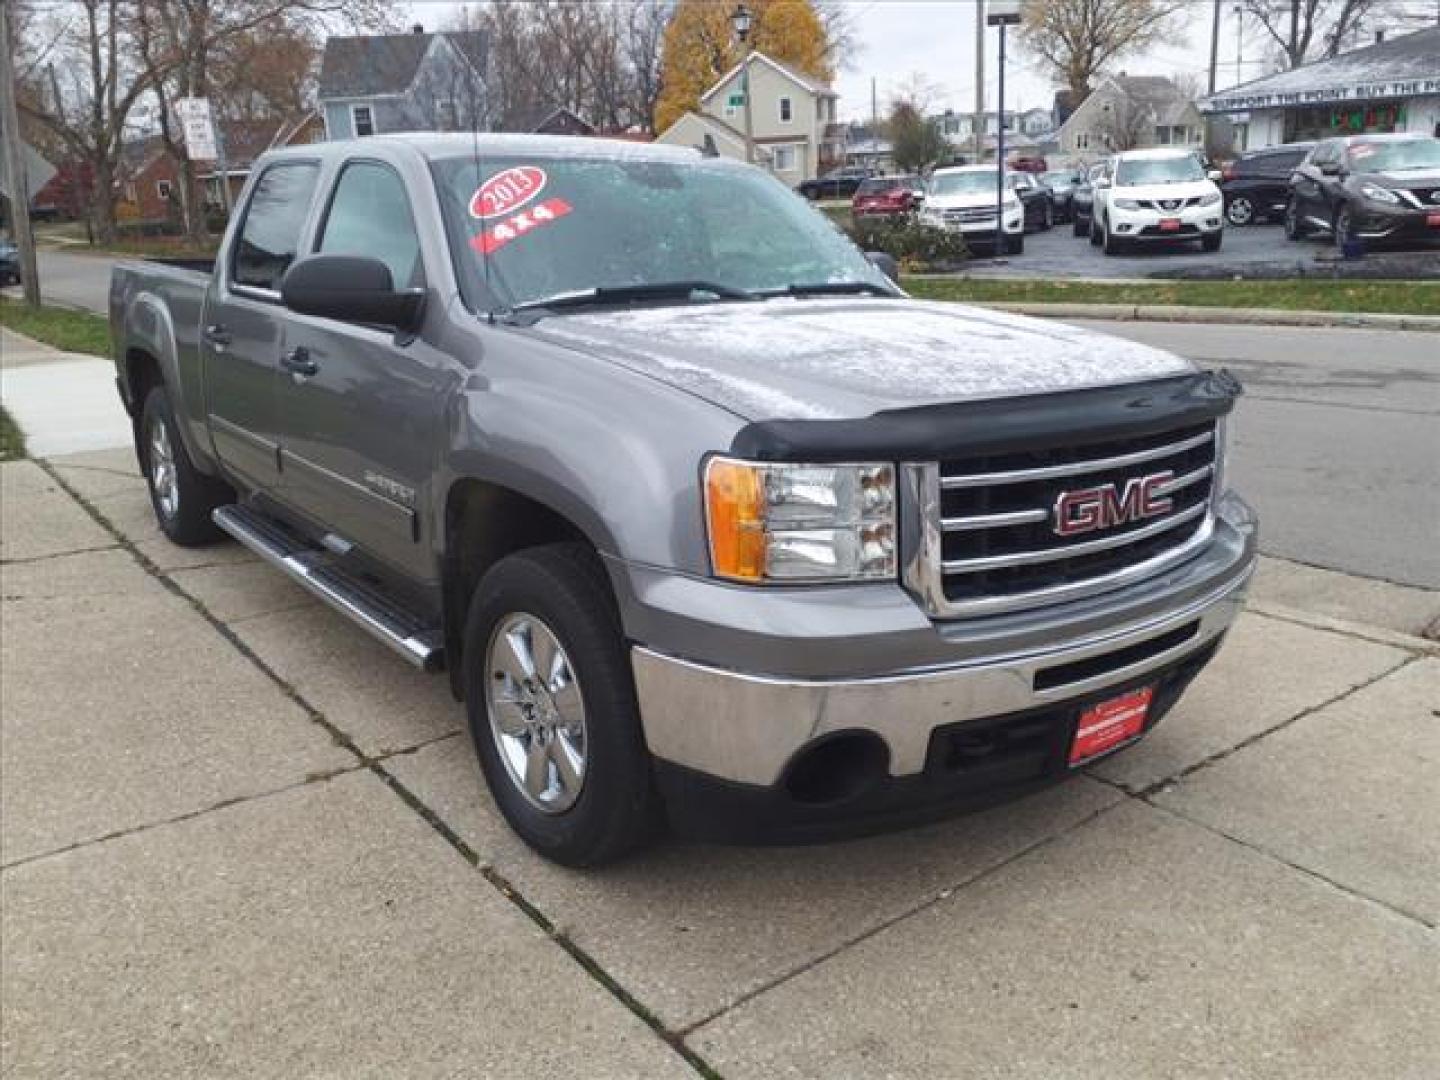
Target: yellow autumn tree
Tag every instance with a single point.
(700, 47)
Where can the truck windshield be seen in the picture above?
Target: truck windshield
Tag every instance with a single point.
(1167, 170)
(544, 227)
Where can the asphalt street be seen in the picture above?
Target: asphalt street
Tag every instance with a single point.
(1337, 441)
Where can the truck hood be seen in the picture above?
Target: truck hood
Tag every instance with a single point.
(968, 200)
(848, 358)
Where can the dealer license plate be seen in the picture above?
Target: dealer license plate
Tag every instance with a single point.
(1433, 220)
(1170, 224)
(1109, 724)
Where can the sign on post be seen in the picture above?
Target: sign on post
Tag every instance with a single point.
(199, 128)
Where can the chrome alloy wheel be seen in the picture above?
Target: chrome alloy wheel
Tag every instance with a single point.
(1240, 211)
(163, 479)
(537, 714)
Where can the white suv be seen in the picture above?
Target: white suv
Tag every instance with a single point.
(1156, 196)
(962, 199)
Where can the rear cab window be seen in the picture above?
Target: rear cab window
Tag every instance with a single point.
(269, 237)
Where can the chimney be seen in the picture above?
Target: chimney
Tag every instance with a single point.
(418, 28)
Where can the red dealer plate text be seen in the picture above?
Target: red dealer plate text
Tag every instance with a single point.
(1433, 220)
(1169, 224)
(1107, 725)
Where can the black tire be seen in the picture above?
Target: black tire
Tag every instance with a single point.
(1094, 232)
(1078, 227)
(1240, 211)
(184, 513)
(1015, 245)
(1295, 228)
(1047, 218)
(1212, 242)
(1111, 244)
(617, 809)
(1344, 228)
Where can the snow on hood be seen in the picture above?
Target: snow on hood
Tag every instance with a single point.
(833, 359)
(1185, 190)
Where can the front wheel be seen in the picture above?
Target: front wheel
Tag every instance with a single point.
(1077, 226)
(181, 496)
(1240, 212)
(1294, 228)
(1094, 232)
(1211, 242)
(1110, 242)
(552, 710)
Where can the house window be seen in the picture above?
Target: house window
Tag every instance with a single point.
(787, 111)
(362, 121)
(162, 188)
(448, 116)
(783, 158)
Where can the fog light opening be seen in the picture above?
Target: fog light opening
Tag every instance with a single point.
(837, 769)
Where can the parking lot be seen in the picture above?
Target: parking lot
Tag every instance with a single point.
(1253, 251)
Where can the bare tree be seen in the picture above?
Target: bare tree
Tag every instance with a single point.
(645, 22)
(1304, 30)
(918, 91)
(1079, 39)
(85, 99)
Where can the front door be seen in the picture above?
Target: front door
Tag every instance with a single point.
(243, 325)
(360, 407)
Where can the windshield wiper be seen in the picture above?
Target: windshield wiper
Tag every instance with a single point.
(829, 288)
(622, 294)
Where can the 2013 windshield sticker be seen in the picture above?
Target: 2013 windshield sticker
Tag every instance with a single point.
(518, 224)
(507, 190)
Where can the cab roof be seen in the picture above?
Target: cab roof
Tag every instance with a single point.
(438, 145)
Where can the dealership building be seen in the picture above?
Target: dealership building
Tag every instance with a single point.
(1393, 85)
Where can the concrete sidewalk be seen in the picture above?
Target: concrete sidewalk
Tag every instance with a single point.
(240, 838)
(64, 402)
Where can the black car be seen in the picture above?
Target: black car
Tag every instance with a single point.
(1061, 183)
(1082, 199)
(9, 263)
(837, 183)
(1035, 200)
(1256, 185)
(1368, 189)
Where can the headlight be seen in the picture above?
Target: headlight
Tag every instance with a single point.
(800, 522)
(1379, 194)
(1211, 199)
(1126, 204)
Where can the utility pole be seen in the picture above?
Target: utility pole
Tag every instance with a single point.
(1214, 43)
(15, 181)
(978, 130)
(1294, 32)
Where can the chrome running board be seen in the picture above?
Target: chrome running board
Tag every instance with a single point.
(314, 570)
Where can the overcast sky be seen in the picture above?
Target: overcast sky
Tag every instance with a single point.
(936, 38)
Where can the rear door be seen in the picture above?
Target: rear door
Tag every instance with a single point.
(359, 435)
(242, 328)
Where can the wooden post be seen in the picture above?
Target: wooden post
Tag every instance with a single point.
(15, 181)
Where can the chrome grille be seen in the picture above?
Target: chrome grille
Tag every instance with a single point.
(969, 217)
(990, 542)
(1169, 205)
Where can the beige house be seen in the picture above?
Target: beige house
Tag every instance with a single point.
(794, 121)
(1131, 112)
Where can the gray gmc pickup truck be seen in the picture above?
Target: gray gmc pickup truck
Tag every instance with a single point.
(705, 520)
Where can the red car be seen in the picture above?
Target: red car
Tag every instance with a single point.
(885, 196)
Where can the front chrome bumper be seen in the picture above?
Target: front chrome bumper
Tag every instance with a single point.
(746, 728)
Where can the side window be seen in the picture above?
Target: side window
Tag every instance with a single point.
(362, 120)
(786, 110)
(273, 220)
(370, 215)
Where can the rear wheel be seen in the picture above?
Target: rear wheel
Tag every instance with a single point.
(181, 497)
(552, 710)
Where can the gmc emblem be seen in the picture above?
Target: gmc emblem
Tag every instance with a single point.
(1104, 507)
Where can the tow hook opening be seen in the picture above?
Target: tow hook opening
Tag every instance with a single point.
(836, 769)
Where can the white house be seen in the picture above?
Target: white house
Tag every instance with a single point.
(1393, 85)
(1131, 112)
(794, 120)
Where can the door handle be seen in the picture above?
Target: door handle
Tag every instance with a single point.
(297, 361)
(216, 334)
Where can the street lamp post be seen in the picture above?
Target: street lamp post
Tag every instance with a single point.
(740, 20)
(1002, 13)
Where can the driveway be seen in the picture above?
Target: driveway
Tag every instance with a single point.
(1256, 251)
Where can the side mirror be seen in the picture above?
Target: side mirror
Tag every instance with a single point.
(885, 263)
(1214, 174)
(1330, 168)
(350, 288)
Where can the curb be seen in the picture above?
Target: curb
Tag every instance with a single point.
(1355, 320)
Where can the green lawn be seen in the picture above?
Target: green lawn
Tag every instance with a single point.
(73, 331)
(12, 442)
(1394, 297)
